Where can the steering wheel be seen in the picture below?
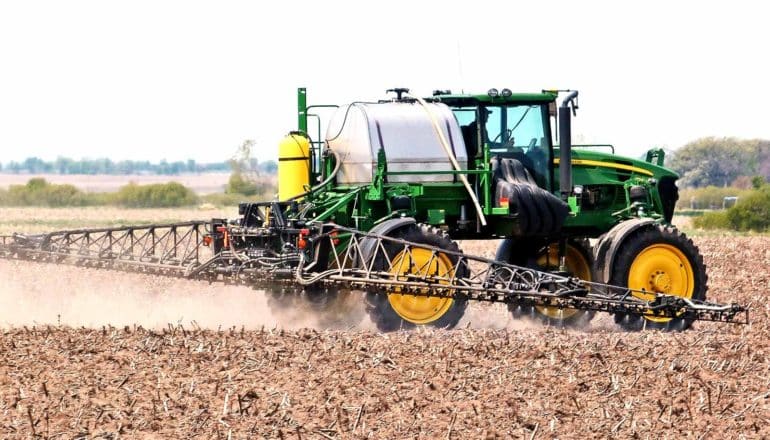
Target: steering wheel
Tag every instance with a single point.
(538, 159)
(532, 144)
(507, 141)
(510, 143)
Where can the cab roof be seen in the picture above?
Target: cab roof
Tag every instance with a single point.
(513, 98)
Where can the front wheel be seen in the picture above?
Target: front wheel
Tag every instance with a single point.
(659, 259)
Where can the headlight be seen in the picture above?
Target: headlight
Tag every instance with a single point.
(637, 193)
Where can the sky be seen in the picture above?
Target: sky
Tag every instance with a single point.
(152, 80)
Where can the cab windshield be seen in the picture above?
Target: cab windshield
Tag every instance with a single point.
(518, 132)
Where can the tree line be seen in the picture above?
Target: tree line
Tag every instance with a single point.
(63, 165)
(722, 162)
(709, 161)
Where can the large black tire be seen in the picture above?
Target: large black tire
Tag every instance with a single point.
(661, 256)
(579, 259)
(538, 212)
(378, 305)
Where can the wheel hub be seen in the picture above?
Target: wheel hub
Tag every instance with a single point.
(662, 268)
(416, 308)
(661, 282)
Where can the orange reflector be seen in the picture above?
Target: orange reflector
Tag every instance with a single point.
(301, 243)
(503, 201)
(207, 240)
(333, 234)
(225, 236)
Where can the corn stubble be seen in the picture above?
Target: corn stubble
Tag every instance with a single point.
(278, 381)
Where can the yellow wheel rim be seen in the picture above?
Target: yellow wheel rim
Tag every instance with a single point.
(661, 268)
(414, 308)
(577, 265)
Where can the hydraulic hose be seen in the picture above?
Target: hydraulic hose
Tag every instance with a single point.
(337, 164)
(451, 157)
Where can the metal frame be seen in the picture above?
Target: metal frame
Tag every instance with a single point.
(167, 249)
(356, 260)
(494, 281)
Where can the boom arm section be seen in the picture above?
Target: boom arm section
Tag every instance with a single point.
(168, 249)
(329, 255)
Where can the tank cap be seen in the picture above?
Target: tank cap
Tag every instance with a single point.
(399, 91)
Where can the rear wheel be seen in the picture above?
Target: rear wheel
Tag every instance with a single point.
(394, 310)
(659, 259)
(578, 262)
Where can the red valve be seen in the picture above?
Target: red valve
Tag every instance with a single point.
(333, 234)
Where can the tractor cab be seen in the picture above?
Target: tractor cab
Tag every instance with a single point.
(510, 135)
(512, 126)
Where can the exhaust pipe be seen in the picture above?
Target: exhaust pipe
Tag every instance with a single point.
(565, 144)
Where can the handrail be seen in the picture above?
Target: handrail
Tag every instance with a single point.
(610, 146)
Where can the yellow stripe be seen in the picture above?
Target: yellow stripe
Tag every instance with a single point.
(596, 163)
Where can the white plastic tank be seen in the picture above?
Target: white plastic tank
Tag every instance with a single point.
(405, 131)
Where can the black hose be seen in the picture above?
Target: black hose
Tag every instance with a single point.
(345, 119)
(337, 160)
(337, 164)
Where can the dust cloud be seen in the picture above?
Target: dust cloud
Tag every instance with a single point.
(49, 294)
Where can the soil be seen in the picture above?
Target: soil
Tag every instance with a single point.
(157, 364)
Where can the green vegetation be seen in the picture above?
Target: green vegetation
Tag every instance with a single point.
(719, 173)
(709, 197)
(39, 192)
(750, 213)
(712, 220)
(246, 171)
(158, 195)
(240, 185)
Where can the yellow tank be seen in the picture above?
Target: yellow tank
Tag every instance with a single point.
(293, 165)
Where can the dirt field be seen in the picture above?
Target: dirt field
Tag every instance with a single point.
(212, 361)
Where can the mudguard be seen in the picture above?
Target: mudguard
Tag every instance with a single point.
(610, 243)
(384, 228)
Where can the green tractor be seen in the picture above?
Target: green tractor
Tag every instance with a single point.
(486, 167)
